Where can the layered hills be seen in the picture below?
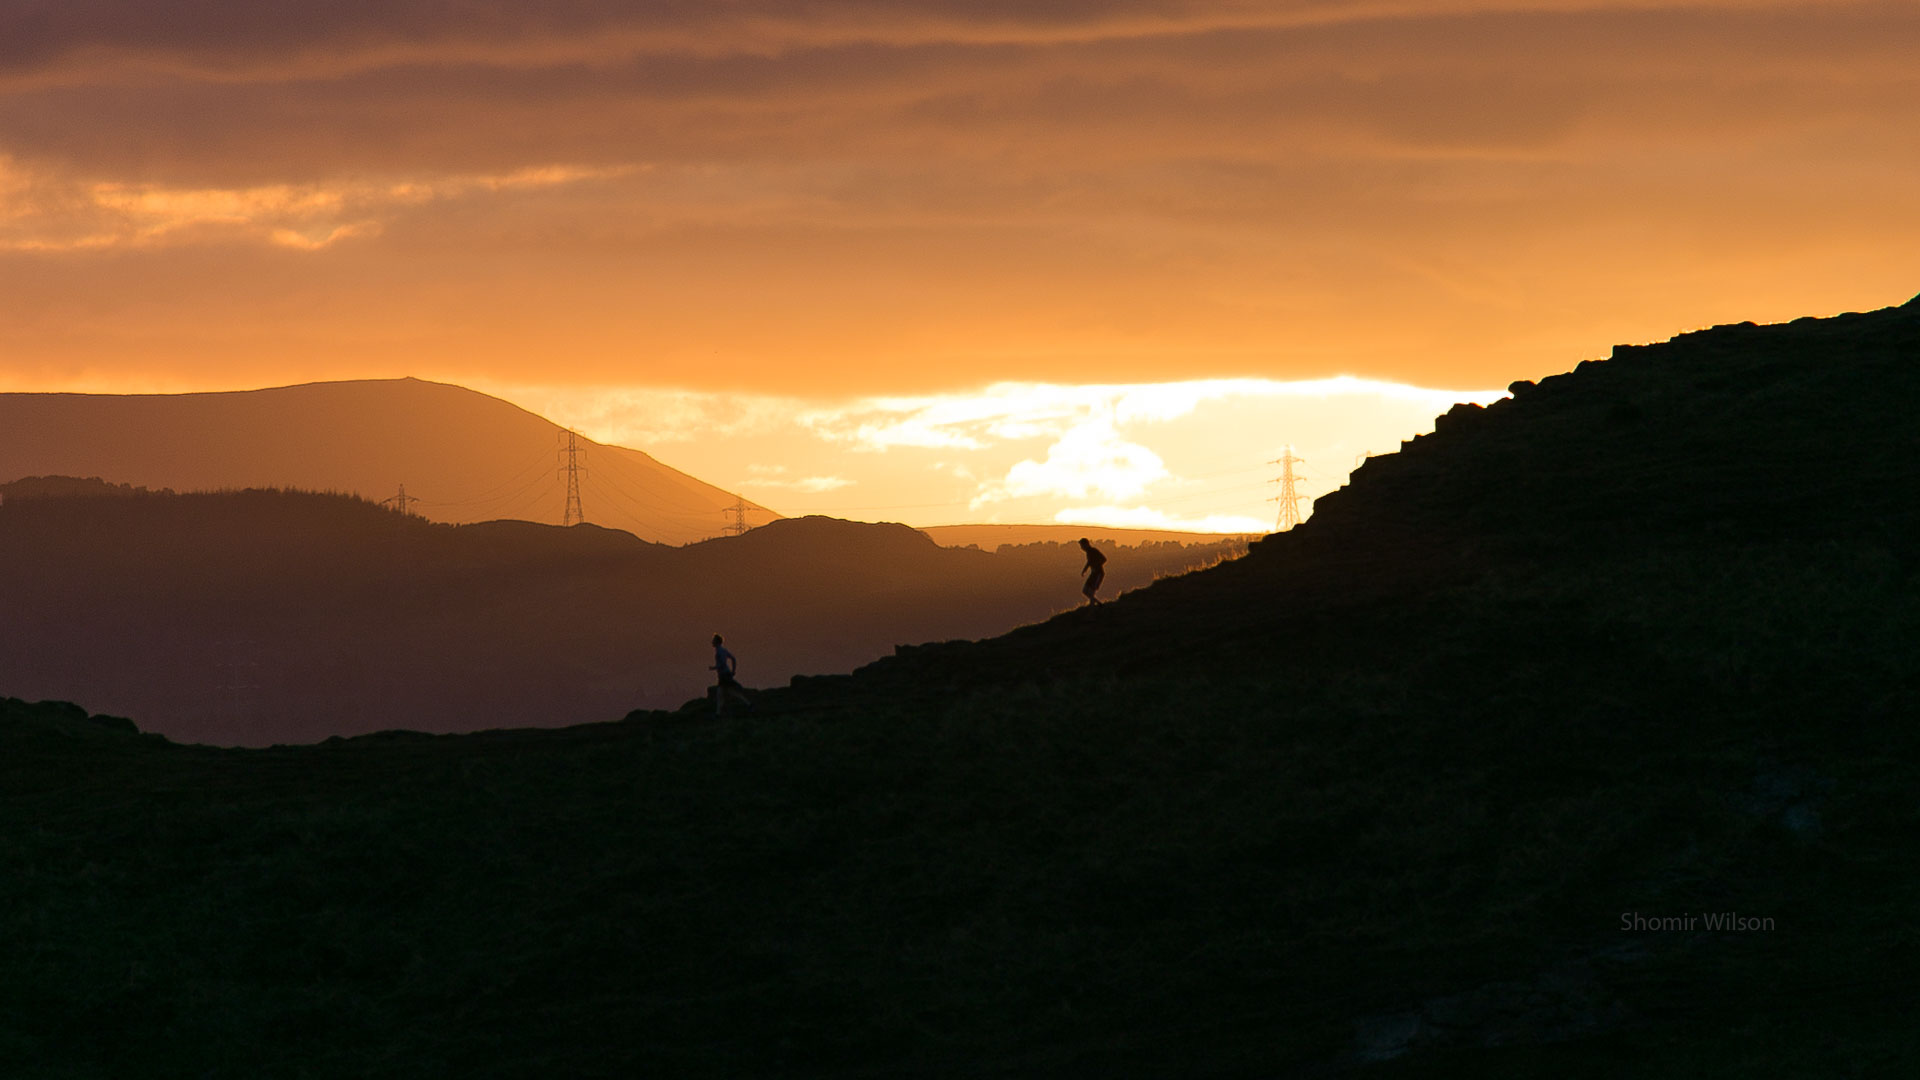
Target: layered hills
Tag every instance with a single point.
(256, 617)
(1573, 740)
(464, 455)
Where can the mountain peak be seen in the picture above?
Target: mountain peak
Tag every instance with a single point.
(463, 455)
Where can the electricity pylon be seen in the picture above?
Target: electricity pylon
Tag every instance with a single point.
(739, 512)
(570, 457)
(402, 502)
(1289, 499)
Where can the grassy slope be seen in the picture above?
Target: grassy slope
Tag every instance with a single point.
(1381, 790)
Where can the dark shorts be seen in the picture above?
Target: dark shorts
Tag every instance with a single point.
(1094, 579)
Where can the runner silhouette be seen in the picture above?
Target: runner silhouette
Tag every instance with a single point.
(1097, 563)
(723, 667)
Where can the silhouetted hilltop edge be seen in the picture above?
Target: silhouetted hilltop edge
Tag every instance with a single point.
(1736, 437)
(1735, 432)
(466, 456)
(69, 487)
(1446, 782)
(64, 720)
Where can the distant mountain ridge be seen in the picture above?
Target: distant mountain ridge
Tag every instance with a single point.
(263, 616)
(465, 456)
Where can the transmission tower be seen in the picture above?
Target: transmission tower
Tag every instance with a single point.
(738, 513)
(402, 502)
(570, 457)
(1289, 499)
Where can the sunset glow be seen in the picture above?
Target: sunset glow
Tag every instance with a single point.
(935, 261)
(1180, 455)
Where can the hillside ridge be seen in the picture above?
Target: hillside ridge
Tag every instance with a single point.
(334, 615)
(1431, 786)
(465, 455)
(1736, 435)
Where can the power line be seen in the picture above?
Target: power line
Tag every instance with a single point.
(876, 506)
(536, 467)
(544, 482)
(650, 514)
(653, 501)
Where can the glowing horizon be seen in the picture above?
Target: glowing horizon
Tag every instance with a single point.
(1190, 456)
(844, 211)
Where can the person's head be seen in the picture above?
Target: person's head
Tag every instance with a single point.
(716, 639)
(1083, 543)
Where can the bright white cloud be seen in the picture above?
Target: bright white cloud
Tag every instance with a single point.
(1024, 411)
(1141, 517)
(1090, 458)
(1190, 456)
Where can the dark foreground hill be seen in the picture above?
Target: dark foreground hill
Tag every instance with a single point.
(256, 617)
(466, 456)
(1575, 741)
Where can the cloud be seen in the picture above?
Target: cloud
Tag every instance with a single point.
(1000, 413)
(776, 476)
(1028, 449)
(1191, 454)
(307, 217)
(863, 198)
(1140, 517)
(1023, 412)
(232, 92)
(235, 39)
(1089, 459)
(651, 416)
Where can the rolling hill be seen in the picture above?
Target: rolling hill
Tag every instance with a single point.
(1574, 740)
(466, 456)
(257, 617)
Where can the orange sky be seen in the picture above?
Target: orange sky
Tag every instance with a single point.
(826, 202)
